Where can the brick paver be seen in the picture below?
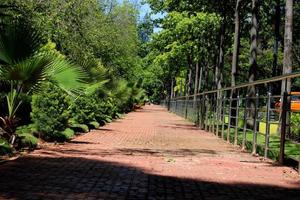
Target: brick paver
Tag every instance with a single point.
(150, 154)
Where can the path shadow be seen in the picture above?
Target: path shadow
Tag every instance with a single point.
(79, 142)
(150, 109)
(176, 153)
(107, 129)
(165, 152)
(181, 126)
(30, 178)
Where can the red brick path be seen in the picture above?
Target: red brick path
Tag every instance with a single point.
(150, 154)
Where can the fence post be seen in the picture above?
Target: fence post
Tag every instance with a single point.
(213, 108)
(204, 112)
(237, 121)
(229, 118)
(254, 141)
(219, 106)
(186, 107)
(206, 115)
(198, 112)
(245, 124)
(176, 106)
(223, 117)
(283, 126)
(267, 134)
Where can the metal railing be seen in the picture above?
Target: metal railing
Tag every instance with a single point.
(248, 115)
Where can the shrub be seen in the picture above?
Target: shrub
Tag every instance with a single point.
(104, 111)
(83, 110)
(26, 136)
(94, 125)
(80, 128)
(50, 113)
(4, 147)
(27, 140)
(30, 128)
(295, 129)
(68, 134)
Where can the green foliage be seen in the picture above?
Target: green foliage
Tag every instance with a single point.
(94, 125)
(295, 121)
(50, 112)
(80, 128)
(86, 32)
(27, 140)
(79, 60)
(106, 109)
(24, 68)
(82, 110)
(67, 134)
(27, 129)
(5, 148)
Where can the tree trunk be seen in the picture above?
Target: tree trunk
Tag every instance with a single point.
(172, 88)
(277, 38)
(236, 45)
(254, 42)
(288, 42)
(196, 78)
(181, 87)
(196, 83)
(253, 60)
(189, 90)
(220, 67)
(206, 78)
(288, 53)
(200, 79)
(235, 58)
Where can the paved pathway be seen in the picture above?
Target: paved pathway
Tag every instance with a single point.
(151, 154)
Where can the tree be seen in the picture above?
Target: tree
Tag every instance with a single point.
(236, 45)
(24, 70)
(288, 43)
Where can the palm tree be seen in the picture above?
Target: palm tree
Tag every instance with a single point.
(23, 69)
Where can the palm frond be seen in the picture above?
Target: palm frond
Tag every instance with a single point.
(91, 89)
(28, 73)
(122, 92)
(18, 42)
(67, 76)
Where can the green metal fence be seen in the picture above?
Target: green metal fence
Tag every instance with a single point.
(248, 115)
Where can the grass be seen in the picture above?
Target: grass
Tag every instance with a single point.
(292, 150)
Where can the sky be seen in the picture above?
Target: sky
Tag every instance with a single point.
(144, 9)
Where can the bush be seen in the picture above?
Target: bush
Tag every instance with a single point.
(26, 136)
(27, 140)
(50, 113)
(4, 147)
(295, 129)
(104, 110)
(83, 110)
(68, 134)
(94, 125)
(80, 128)
(31, 129)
